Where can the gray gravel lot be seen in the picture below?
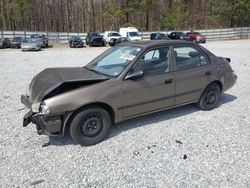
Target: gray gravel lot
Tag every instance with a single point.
(183, 147)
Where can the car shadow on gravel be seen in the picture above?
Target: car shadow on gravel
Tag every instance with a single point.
(144, 120)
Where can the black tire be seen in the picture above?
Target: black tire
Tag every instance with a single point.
(90, 126)
(90, 44)
(210, 97)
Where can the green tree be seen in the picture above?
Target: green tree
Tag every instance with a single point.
(112, 13)
(145, 9)
(21, 10)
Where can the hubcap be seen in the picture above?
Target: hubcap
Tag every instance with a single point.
(91, 126)
(211, 97)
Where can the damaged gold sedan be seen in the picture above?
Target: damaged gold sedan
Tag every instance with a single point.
(126, 81)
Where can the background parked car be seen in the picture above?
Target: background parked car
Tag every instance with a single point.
(158, 36)
(44, 40)
(177, 35)
(5, 43)
(75, 42)
(131, 33)
(196, 37)
(110, 37)
(17, 41)
(33, 44)
(95, 39)
(122, 40)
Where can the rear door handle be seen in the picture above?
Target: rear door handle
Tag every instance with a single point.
(208, 73)
(169, 81)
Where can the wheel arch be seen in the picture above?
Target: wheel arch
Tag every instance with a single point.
(218, 82)
(70, 115)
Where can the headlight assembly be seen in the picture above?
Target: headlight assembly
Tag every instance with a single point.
(44, 109)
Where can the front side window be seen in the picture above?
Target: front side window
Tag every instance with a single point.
(154, 62)
(133, 34)
(113, 35)
(188, 58)
(114, 61)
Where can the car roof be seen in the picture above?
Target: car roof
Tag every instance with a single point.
(152, 43)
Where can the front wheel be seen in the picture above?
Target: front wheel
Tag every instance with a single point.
(210, 97)
(90, 126)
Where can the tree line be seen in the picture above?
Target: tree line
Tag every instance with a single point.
(101, 15)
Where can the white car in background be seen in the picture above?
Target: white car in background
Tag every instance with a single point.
(110, 37)
(131, 33)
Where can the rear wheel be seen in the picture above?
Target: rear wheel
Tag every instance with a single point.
(90, 126)
(210, 97)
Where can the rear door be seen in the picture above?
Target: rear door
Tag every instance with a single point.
(155, 90)
(193, 73)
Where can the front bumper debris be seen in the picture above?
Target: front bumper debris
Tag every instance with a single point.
(27, 118)
(48, 125)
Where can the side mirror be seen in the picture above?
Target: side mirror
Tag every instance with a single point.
(134, 75)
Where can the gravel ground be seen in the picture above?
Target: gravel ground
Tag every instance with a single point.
(183, 147)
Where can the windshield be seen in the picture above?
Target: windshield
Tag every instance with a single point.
(96, 34)
(17, 39)
(133, 34)
(113, 35)
(35, 36)
(197, 33)
(33, 40)
(113, 61)
(1, 40)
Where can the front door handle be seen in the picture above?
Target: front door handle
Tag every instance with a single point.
(208, 73)
(169, 81)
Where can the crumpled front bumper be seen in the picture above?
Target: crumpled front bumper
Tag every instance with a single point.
(48, 125)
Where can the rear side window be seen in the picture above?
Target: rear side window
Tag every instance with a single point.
(189, 58)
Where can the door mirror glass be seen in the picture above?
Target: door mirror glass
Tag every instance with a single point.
(134, 75)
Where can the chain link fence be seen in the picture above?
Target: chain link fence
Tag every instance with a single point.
(63, 37)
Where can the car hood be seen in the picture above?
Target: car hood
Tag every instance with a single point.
(52, 78)
(135, 38)
(114, 37)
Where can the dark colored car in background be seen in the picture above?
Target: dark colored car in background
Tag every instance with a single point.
(177, 35)
(95, 39)
(5, 43)
(44, 40)
(126, 81)
(196, 37)
(75, 42)
(158, 36)
(122, 40)
(112, 42)
(17, 41)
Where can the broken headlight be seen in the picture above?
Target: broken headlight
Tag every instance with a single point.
(44, 109)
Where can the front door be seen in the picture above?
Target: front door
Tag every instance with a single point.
(155, 90)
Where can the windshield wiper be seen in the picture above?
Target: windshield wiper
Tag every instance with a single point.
(95, 71)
